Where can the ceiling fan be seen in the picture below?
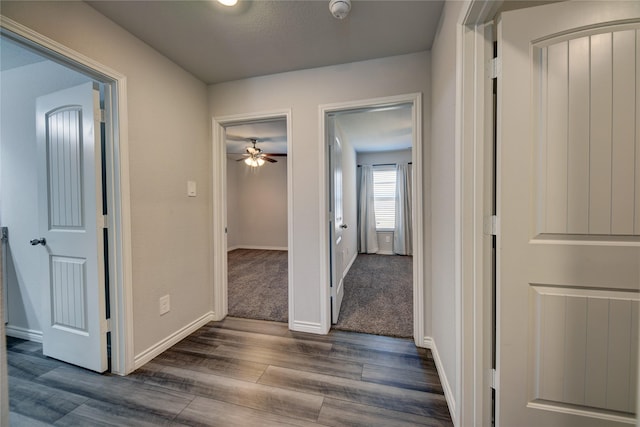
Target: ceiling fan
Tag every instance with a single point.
(254, 156)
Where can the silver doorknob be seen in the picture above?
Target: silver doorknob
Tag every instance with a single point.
(343, 226)
(41, 241)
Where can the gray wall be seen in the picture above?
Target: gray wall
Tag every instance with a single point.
(443, 72)
(303, 91)
(169, 141)
(19, 187)
(257, 205)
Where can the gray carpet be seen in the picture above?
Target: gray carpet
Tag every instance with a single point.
(257, 284)
(378, 296)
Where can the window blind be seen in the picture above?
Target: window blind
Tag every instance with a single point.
(384, 193)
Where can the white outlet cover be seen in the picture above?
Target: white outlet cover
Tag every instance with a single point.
(165, 304)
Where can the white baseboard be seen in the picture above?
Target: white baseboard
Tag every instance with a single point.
(346, 270)
(448, 394)
(23, 333)
(171, 340)
(385, 253)
(264, 248)
(311, 327)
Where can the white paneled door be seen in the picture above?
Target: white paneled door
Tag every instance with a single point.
(569, 210)
(70, 235)
(337, 221)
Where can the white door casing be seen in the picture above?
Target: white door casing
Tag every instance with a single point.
(569, 211)
(69, 193)
(336, 218)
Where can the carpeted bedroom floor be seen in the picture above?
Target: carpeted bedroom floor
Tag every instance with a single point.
(378, 295)
(257, 284)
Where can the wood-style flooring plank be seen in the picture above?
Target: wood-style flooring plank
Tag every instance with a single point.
(336, 412)
(208, 412)
(309, 363)
(42, 403)
(26, 366)
(426, 380)
(19, 420)
(252, 339)
(126, 392)
(359, 353)
(104, 414)
(251, 395)
(382, 396)
(264, 327)
(214, 364)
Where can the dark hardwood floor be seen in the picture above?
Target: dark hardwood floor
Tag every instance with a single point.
(238, 372)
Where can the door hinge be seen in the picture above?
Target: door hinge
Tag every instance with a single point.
(491, 225)
(106, 326)
(102, 116)
(493, 379)
(494, 68)
(105, 221)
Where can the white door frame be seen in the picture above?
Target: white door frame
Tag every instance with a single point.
(117, 161)
(473, 171)
(219, 235)
(415, 99)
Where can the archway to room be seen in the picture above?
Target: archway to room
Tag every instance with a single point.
(257, 219)
(379, 284)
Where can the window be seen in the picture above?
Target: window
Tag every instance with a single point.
(384, 194)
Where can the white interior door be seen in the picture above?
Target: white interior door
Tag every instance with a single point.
(71, 237)
(337, 224)
(569, 210)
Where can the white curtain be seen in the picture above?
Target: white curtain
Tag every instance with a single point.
(367, 236)
(402, 234)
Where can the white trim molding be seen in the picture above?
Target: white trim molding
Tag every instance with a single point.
(117, 160)
(261, 248)
(446, 386)
(310, 327)
(415, 99)
(23, 333)
(219, 184)
(166, 343)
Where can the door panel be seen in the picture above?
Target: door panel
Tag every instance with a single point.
(74, 325)
(337, 254)
(569, 245)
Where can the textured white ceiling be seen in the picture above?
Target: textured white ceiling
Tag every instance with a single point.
(377, 130)
(13, 55)
(369, 130)
(216, 43)
(271, 136)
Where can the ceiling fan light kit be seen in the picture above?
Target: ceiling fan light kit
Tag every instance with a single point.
(254, 162)
(340, 8)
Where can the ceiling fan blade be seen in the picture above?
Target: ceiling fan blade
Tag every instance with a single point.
(268, 159)
(276, 154)
(237, 138)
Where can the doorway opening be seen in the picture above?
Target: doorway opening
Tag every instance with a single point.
(252, 239)
(374, 230)
(257, 220)
(38, 71)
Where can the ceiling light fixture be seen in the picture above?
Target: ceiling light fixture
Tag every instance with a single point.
(340, 8)
(254, 162)
(228, 2)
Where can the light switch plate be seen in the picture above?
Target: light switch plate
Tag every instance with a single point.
(191, 188)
